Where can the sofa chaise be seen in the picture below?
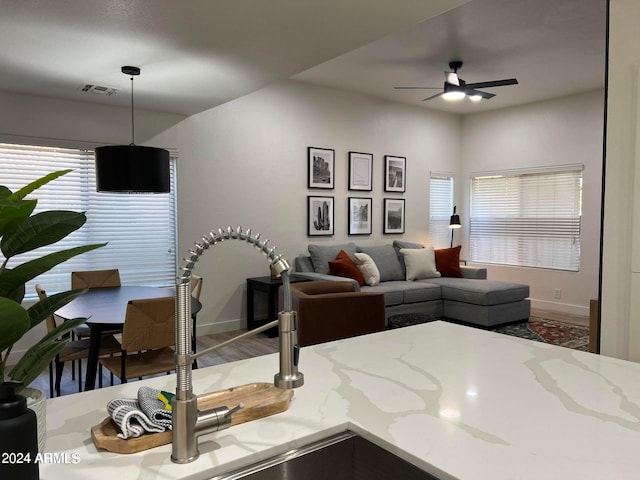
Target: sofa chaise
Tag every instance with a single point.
(419, 279)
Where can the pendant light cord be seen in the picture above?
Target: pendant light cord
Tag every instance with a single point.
(132, 123)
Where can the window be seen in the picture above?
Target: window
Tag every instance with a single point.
(529, 219)
(140, 229)
(440, 209)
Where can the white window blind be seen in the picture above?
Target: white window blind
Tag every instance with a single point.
(140, 229)
(440, 209)
(527, 219)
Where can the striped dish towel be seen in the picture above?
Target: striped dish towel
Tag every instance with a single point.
(135, 417)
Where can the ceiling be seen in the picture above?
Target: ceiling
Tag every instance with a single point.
(197, 54)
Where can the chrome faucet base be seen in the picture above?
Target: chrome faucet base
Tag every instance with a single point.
(288, 382)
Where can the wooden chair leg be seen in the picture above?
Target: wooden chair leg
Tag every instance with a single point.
(79, 376)
(51, 380)
(59, 368)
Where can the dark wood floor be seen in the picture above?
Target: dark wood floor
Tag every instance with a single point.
(255, 346)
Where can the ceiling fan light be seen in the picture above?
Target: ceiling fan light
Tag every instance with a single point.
(453, 95)
(475, 98)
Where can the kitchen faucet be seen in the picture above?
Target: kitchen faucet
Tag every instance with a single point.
(187, 422)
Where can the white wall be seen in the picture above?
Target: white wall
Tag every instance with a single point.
(244, 163)
(70, 122)
(558, 132)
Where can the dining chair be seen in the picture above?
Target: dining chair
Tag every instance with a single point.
(74, 351)
(148, 338)
(196, 289)
(93, 279)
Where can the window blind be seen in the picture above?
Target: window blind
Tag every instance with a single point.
(527, 219)
(140, 229)
(440, 209)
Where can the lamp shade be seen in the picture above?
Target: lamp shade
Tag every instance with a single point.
(132, 169)
(454, 221)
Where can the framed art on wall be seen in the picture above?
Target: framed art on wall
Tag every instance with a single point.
(395, 173)
(319, 216)
(393, 215)
(359, 216)
(321, 167)
(360, 171)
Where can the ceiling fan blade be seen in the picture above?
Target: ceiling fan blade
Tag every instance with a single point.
(417, 88)
(432, 96)
(452, 78)
(485, 95)
(493, 83)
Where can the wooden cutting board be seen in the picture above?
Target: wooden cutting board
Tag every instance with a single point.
(259, 399)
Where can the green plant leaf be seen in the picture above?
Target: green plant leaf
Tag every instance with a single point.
(27, 189)
(36, 359)
(47, 306)
(41, 229)
(13, 213)
(12, 280)
(4, 191)
(14, 323)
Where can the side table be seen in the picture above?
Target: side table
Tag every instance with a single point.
(270, 287)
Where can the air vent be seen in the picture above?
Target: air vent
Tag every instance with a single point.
(98, 89)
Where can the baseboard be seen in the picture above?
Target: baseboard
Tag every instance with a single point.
(561, 317)
(219, 327)
(561, 308)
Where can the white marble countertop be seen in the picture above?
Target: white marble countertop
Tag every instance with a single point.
(459, 402)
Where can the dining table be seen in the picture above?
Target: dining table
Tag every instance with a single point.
(105, 310)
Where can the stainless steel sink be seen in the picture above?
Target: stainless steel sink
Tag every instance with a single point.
(346, 456)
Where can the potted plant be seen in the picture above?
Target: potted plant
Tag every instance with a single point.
(22, 231)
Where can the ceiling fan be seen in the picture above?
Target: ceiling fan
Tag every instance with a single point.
(456, 88)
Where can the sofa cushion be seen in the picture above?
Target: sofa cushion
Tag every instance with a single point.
(368, 268)
(386, 260)
(397, 245)
(415, 292)
(448, 261)
(393, 291)
(321, 255)
(480, 292)
(420, 263)
(303, 263)
(343, 266)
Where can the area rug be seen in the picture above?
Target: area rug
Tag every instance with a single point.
(550, 331)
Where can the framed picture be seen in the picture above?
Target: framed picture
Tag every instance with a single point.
(321, 167)
(395, 173)
(359, 216)
(319, 216)
(393, 215)
(360, 171)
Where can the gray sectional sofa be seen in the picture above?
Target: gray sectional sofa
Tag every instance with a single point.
(470, 299)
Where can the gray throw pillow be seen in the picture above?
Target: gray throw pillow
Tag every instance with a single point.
(386, 260)
(321, 255)
(397, 245)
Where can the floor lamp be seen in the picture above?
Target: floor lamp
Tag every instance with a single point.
(454, 223)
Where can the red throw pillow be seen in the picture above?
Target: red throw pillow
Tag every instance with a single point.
(343, 266)
(448, 262)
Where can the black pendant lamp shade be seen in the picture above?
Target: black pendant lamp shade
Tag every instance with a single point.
(132, 168)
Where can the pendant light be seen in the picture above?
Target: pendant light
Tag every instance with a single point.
(132, 168)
